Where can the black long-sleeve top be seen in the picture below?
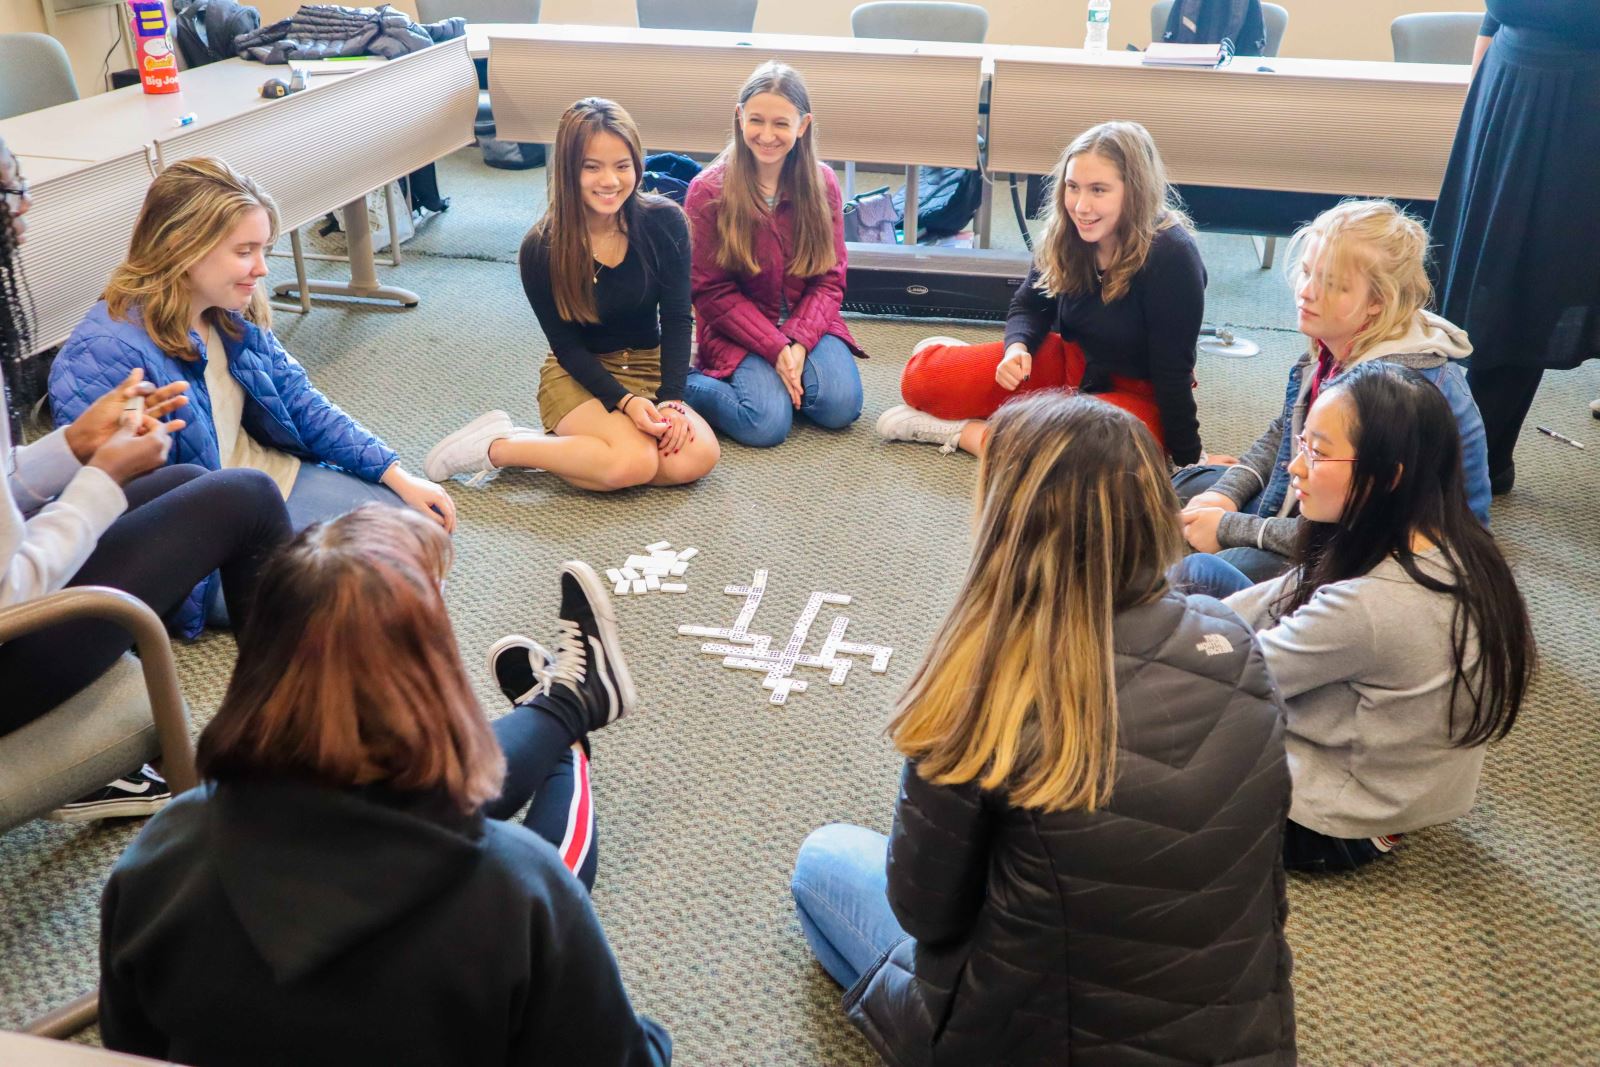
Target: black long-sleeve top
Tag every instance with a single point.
(1148, 333)
(642, 302)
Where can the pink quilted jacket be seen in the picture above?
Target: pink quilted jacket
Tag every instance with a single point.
(736, 314)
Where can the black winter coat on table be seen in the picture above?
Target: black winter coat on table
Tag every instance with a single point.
(1149, 932)
(281, 923)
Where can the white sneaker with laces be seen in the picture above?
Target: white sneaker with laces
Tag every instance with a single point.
(905, 423)
(927, 341)
(467, 450)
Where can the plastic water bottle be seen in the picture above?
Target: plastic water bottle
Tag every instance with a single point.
(1099, 27)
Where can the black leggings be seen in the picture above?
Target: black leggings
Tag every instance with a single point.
(182, 523)
(546, 764)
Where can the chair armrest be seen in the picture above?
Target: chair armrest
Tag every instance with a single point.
(155, 658)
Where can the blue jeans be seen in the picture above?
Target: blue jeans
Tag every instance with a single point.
(1257, 564)
(752, 406)
(1209, 576)
(841, 895)
(325, 493)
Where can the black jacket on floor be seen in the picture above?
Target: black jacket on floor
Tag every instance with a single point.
(285, 923)
(1148, 933)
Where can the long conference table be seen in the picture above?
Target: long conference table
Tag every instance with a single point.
(1281, 124)
(90, 162)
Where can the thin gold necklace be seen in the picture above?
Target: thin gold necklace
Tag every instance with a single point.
(598, 266)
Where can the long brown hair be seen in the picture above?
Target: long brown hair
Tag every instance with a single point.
(1149, 205)
(348, 669)
(1076, 521)
(191, 206)
(563, 229)
(742, 212)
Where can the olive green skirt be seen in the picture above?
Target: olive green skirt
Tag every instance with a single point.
(636, 370)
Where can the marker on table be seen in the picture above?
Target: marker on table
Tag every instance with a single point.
(1563, 438)
(185, 120)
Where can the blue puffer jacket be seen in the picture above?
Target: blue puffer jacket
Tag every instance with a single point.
(282, 409)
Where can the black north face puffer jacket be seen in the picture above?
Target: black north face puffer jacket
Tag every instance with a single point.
(1147, 933)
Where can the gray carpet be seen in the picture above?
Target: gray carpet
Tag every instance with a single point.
(1475, 944)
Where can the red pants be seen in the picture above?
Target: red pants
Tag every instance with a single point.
(957, 381)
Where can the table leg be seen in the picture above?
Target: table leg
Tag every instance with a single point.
(363, 283)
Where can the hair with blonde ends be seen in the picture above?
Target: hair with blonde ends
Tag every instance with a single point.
(1065, 260)
(1377, 242)
(742, 211)
(564, 227)
(348, 671)
(1077, 521)
(191, 207)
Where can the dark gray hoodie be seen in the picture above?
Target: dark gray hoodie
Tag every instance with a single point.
(281, 922)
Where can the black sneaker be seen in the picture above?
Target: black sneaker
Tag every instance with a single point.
(589, 670)
(521, 667)
(142, 793)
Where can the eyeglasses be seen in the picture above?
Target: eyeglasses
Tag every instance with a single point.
(1311, 456)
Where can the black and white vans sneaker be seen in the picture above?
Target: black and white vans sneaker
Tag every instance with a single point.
(142, 793)
(589, 670)
(521, 667)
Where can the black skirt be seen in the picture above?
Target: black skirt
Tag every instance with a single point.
(1517, 227)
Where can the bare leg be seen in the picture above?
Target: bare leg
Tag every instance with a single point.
(973, 436)
(592, 448)
(694, 460)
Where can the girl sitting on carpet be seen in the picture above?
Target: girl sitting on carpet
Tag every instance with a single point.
(1361, 284)
(1112, 306)
(769, 269)
(1399, 643)
(96, 504)
(607, 273)
(339, 889)
(1091, 813)
(187, 305)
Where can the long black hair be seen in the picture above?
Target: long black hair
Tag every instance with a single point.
(1407, 480)
(15, 304)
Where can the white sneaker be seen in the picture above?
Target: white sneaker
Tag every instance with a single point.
(1594, 408)
(926, 341)
(467, 450)
(905, 423)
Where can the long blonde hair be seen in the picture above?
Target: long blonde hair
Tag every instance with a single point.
(1076, 521)
(191, 206)
(1378, 242)
(1149, 205)
(741, 210)
(564, 229)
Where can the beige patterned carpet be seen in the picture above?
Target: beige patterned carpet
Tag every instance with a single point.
(1476, 944)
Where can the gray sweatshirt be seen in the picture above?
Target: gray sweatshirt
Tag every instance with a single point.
(52, 511)
(1364, 669)
(1429, 342)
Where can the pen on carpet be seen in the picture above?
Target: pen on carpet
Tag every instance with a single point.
(1563, 438)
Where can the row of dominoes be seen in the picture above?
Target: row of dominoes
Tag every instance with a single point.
(649, 573)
